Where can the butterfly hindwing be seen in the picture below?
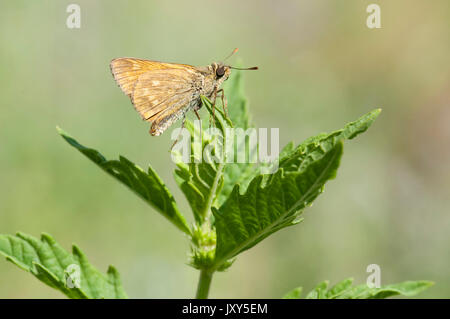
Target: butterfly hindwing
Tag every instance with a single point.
(159, 90)
(165, 118)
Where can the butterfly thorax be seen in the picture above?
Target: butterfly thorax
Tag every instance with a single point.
(210, 81)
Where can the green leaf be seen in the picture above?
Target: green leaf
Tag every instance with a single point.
(209, 184)
(339, 288)
(147, 185)
(294, 293)
(320, 292)
(353, 129)
(246, 219)
(272, 202)
(343, 290)
(51, 264)
(296, 158)
(237, 102)
(202, 178)
(407, 288)
(238, 111)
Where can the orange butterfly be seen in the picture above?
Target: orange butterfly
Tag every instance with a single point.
(163, 92)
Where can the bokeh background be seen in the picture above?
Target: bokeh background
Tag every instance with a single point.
(320, 67)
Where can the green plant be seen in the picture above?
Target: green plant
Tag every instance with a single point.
(234, 205)
(345, 290)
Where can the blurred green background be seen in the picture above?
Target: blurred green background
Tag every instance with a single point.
(320, 67)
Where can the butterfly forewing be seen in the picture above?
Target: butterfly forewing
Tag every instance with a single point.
(160, 92)
(126, 71)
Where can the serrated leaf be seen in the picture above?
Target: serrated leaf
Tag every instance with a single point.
(116, 283)
(339, 288)
(47, 277)
(320, 292)
(50, 263)
(407, 288)
(344, 290)
(147, 185)
(246, 219)
(353, 129)
(296, 158)
(272, 202)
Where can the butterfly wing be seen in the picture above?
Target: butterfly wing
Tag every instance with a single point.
(179, 106)
(126, 71)
(160, 92)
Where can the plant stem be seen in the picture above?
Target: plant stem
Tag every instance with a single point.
(206, 214)
(204, 282)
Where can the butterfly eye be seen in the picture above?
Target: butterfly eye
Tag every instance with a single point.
(220, 71)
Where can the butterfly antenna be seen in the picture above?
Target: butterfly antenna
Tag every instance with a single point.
(229, 55)
(252, 68)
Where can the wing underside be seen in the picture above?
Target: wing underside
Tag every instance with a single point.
(160, 92)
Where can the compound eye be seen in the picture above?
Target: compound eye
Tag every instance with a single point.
(220, 71)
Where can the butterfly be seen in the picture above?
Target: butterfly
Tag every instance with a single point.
(164, 92)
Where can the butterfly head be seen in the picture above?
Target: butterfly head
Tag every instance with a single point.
(221, 71)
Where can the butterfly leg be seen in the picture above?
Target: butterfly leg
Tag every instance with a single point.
(198, 107)
(224, 102)
(181, 129)
(213, 117)
(198, 116)
(196, 113)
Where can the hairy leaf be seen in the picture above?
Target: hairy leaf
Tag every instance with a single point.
(206, 184)
(272, 202)
(245, 219)
(238, 111)
(54, 266)
(201, 178)
(146, 185)
(407, 288)
(344, 290)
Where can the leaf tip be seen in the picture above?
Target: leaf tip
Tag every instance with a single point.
(47, 238)
(376, 112)
(21, 235)
(76, 251)
(112, 271)
(427, 283)
(60, 131)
